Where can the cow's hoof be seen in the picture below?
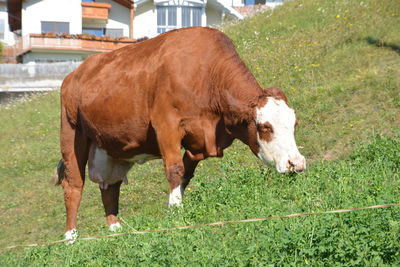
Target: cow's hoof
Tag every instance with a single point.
(115, 227)
(71, 235)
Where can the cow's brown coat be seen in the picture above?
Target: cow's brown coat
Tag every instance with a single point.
(184, 88)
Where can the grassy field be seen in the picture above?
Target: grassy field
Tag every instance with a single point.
(339, 64)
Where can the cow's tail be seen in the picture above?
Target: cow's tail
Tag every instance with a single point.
(59, 173)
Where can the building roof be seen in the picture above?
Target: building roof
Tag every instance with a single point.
(14, 14)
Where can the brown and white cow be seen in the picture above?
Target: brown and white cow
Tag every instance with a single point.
(185, 88)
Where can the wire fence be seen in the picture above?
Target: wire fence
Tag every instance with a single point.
(222, 223)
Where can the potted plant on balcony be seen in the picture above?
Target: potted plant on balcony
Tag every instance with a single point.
(107, 38)
(65, 35)
(49, 34)
(85, 36)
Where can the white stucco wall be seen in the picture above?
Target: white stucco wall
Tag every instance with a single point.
(269, 3)
(233, 2)
(214, 16)
(118, 17)
(35, 11)
(145, 21)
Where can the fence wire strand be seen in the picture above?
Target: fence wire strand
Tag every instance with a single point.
(135, 232)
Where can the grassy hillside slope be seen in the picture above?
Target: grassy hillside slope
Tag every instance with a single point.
(338, 63)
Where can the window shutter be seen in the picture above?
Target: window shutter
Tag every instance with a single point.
(62, 27)
(197, 16)
(161, 16)
(2, 26)
(172, 16)
(114, 33)
(47, 27)
(185, 16)
(56, 27)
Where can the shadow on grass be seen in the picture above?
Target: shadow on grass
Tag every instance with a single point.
(379, 43)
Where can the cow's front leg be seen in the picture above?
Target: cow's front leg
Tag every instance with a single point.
(190, 166)
(169, 138)
(170, 147)
(110, 198)
(174, 173)
(179, 175)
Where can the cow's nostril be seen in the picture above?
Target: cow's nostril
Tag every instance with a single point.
(292, 163)
(297, 165)
(290, 166)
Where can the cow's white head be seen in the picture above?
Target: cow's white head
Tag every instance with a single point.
(276, 122)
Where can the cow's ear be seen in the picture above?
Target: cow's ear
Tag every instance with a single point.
(276, 93)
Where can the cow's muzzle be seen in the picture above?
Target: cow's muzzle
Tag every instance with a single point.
(297, 164)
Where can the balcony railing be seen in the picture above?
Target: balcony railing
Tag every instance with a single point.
(68, 43)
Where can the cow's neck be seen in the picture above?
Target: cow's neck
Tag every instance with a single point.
(239, 93)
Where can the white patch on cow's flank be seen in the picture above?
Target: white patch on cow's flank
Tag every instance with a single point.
(175, 197)
(106, 170)
(115, 227)
(282, 147)
(71, 235)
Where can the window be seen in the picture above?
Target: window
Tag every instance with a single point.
(260, 2)
(2, 29)
(114, 33)
(56, 27)
(249, 2)
(166, 18)
(2, 26)
(175, 17)
(93, 31)
(191, 16)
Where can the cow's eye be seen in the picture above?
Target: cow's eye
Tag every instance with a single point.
(265, 128)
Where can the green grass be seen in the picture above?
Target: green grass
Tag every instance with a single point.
(338, 62)
(343, 80)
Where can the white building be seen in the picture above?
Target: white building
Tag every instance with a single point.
(65, 30)
(6, 36)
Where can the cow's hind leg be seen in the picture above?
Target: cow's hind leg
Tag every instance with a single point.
(74, 150)
(110, 198)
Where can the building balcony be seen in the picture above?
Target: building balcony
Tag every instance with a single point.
(95, 12)
(79, 43)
